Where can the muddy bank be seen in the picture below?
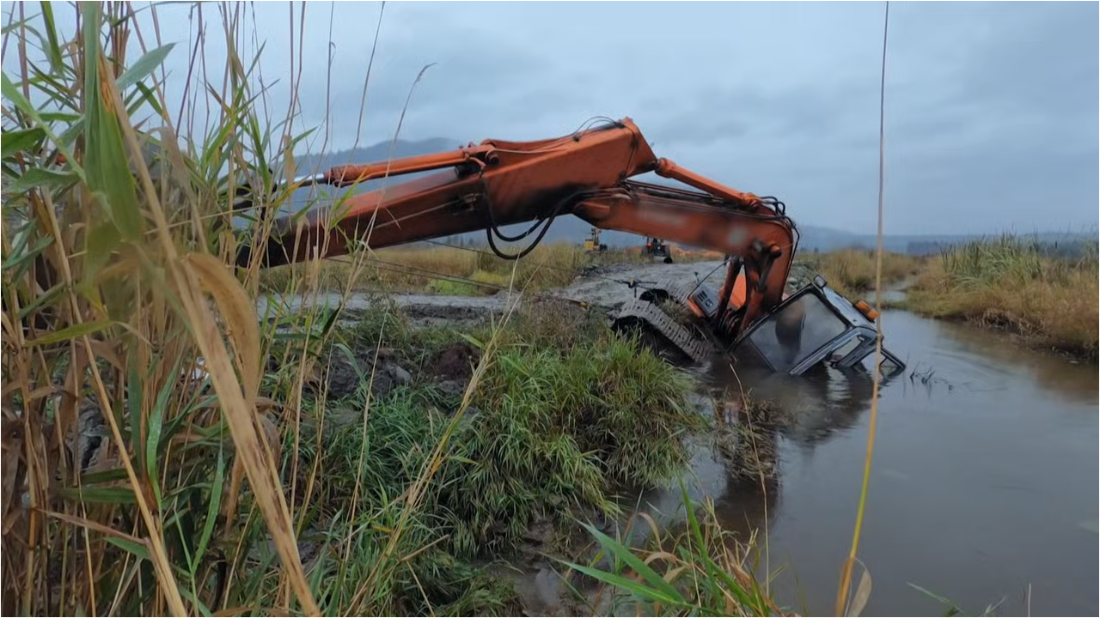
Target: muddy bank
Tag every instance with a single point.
(606, 287)
(423, 309)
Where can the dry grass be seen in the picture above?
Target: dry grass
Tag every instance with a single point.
(463, 271)
(852, 271)
(144, 472)
(452, 270)
(1009, 283)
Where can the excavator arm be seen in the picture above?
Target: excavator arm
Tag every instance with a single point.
(762, 241)
(587, 174)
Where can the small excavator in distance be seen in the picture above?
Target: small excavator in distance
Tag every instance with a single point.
(589, 174)
(592, 243)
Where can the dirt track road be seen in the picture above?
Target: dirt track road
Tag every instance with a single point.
(605, 287)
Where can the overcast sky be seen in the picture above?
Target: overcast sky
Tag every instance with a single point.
(991, 107)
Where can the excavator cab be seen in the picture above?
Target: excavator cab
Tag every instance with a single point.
(812, 326)
(817, 325)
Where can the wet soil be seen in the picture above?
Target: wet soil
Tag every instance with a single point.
(455, 362)
(605, 287)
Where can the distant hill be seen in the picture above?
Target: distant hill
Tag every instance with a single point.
(571, 229)
(374, 153)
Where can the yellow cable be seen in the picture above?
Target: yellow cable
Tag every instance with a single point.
(846, 576)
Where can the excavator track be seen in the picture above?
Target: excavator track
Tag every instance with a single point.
(695, 348)
(675, 288)
(682, 290)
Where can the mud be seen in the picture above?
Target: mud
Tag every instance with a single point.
(616, 285)
(456, 362)
(607, 287)
(340, 376)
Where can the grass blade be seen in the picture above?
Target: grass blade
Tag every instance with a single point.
(109, 176)
(141, 550)
(8, 89)
(155, 426)
(239, 314)
(53, 46)
(26, 140)
(623, 583)
(862, 595)
(144, 66)
(952, 608)
(212, 509)
(71, 332)
(43, 179)
(99, 495)
(626, 555)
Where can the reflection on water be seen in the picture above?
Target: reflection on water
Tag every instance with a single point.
(984, 481)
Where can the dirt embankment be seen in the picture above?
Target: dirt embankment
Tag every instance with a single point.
(606, 286)
(603, 286)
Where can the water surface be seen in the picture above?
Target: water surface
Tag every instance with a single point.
(984, 483)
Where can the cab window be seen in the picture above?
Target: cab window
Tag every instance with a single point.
(795, 332)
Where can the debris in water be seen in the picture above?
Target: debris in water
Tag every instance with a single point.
(895, 474)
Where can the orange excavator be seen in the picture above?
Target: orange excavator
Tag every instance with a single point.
(590, 174)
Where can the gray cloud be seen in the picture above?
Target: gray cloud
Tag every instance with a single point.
(991, 107)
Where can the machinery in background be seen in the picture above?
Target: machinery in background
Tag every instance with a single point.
(657, 248)
(592, 243)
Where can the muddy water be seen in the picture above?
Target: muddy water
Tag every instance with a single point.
(984, 481)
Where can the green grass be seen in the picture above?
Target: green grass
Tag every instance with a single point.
(699, 569)
(555, 428)
(557, 424)
(1010, 283)
(559, 429)
(356, 506)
